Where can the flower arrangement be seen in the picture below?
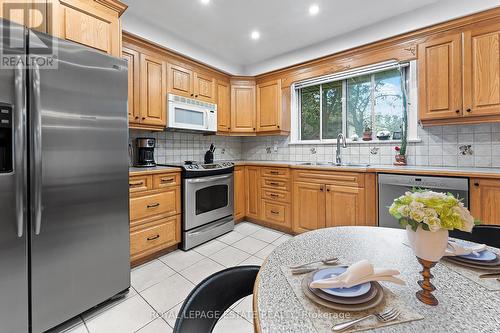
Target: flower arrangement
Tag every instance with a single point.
(432, 211)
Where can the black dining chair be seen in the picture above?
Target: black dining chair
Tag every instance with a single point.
(208, 301)
(483, 234)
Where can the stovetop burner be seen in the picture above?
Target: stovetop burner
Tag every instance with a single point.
(192, 169)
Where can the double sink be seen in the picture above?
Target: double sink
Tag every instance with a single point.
(354, 165)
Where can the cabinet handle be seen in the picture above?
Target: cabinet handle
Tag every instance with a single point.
(167, 180)
(254, 128)
(136, 117)
(143, 118)
(153, 238)
(274, 184)
(321, 188)
(229, 128)
(275, 212)
(192, 95)
(469, 110)
(327, 189)
(135, 184)
(457, 111)
(195, 95)
(154, 205)
(476, 183)
(273, 195)
(274, 172)
(278, 126)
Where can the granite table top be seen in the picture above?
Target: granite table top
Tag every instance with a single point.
(464, 305)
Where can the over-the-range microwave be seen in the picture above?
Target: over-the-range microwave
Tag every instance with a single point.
(191, 114)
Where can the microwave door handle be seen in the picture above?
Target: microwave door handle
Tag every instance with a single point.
(19, 144)
(36, 149)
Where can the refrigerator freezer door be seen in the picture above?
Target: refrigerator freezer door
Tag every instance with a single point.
(13, 244)
(80, 230)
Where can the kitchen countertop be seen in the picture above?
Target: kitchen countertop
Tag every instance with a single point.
(133, 171)
(422, 170)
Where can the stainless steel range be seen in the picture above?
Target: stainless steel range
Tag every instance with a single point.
(207, 201)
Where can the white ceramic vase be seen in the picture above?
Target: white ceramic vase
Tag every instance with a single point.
(428, 245)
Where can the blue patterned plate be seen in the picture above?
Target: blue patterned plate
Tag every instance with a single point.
(355, 291)
(483, 256)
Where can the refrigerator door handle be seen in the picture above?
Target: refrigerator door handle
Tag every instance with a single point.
(20, 144)
(36, 131)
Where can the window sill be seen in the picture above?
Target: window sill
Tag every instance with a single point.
(334, 142)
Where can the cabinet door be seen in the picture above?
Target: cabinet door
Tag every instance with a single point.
(239, 193)
(153, 91)
(269, 106)
(252, 192)
(88, 23)
(204, 88)
(243, 109)
(223, 107)
(485, 200)
(345, 206)
(440, 78)
(482, 71)
(180, 81)
(308, 206)
(133, 63)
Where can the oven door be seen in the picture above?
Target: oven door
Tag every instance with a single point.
(207, 199)
(185, 116)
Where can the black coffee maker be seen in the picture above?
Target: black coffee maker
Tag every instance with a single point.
(145, 152)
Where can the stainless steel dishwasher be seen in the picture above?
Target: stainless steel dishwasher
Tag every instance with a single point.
(392, 186)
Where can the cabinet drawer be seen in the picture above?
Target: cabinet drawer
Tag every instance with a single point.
(154, 237)
(274, 183)
(166, 180)
(167, 203)
(139, 183)
(273, 195)
(275, 172)
(329, 177)
(277, 213)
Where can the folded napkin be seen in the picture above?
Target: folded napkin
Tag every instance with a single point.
(457, 249)
(358, 273)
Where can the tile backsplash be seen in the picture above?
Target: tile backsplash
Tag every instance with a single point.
(464, 145)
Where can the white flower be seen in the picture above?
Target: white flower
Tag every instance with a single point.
(433, 222)
(467, 219)
(417, 215)
(415, 205)
(404, 210)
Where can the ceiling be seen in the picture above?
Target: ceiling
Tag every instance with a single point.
(219, 33)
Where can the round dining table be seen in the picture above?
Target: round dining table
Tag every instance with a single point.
(464, 306)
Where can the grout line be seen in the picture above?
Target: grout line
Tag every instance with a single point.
(84, 324)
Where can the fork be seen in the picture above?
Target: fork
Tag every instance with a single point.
(383, 317)
(328, 261)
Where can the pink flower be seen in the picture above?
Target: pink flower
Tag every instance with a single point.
(397, 148)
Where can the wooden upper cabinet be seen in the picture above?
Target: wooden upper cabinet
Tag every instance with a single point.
(440, 77)
(252, 184)
(269, 106)
(89, 22)
(243, 109)
(153, 91)
(482, 71)
(204, 88)
(223, 106)
(133, 63)
(345, 206)
(485, 200)
(180, 81)
(308, 206)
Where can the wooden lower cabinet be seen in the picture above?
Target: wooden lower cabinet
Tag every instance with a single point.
(485, 200)
(345, 206)
(308, 207)
(252, 176)
(239, 193)
(276, 213)
(155, 214)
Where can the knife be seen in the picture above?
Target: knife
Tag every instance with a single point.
(490, 275)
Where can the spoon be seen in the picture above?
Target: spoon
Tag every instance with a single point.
(328, 261)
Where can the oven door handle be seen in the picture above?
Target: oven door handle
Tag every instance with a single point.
(207, 179)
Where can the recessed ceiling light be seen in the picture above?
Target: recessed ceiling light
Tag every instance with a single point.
(255, 35)
(314, 9)
(205, 2)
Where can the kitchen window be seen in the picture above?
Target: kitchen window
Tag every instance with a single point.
(356, 103)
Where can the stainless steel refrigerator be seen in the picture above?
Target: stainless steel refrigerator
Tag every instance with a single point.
(64, 230)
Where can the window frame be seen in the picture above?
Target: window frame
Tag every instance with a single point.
(412, 98)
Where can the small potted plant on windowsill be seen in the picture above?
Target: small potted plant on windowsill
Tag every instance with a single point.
(367, 134)
(400, 156)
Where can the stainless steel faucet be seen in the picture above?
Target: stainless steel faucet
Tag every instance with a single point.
(338, 159)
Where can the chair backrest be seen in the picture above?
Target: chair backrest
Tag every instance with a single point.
(208, 301)
(483, 234)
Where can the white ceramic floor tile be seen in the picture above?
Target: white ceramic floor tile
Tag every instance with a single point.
(229, 256)
(74, 325)
(267, 235)
(265, 252)
(231, 323)
(231, 237)
(157, 326)
(250, 245)
(245, 308)
(179, 260)
(201, 270)
(282, 239)
(146, 275)
(165, 295)
(247, 228)
(171, 315)
(253, 260)
(210, 247)
(128, 316)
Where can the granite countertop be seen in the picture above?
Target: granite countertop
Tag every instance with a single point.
(464, 305)
(134, 171)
